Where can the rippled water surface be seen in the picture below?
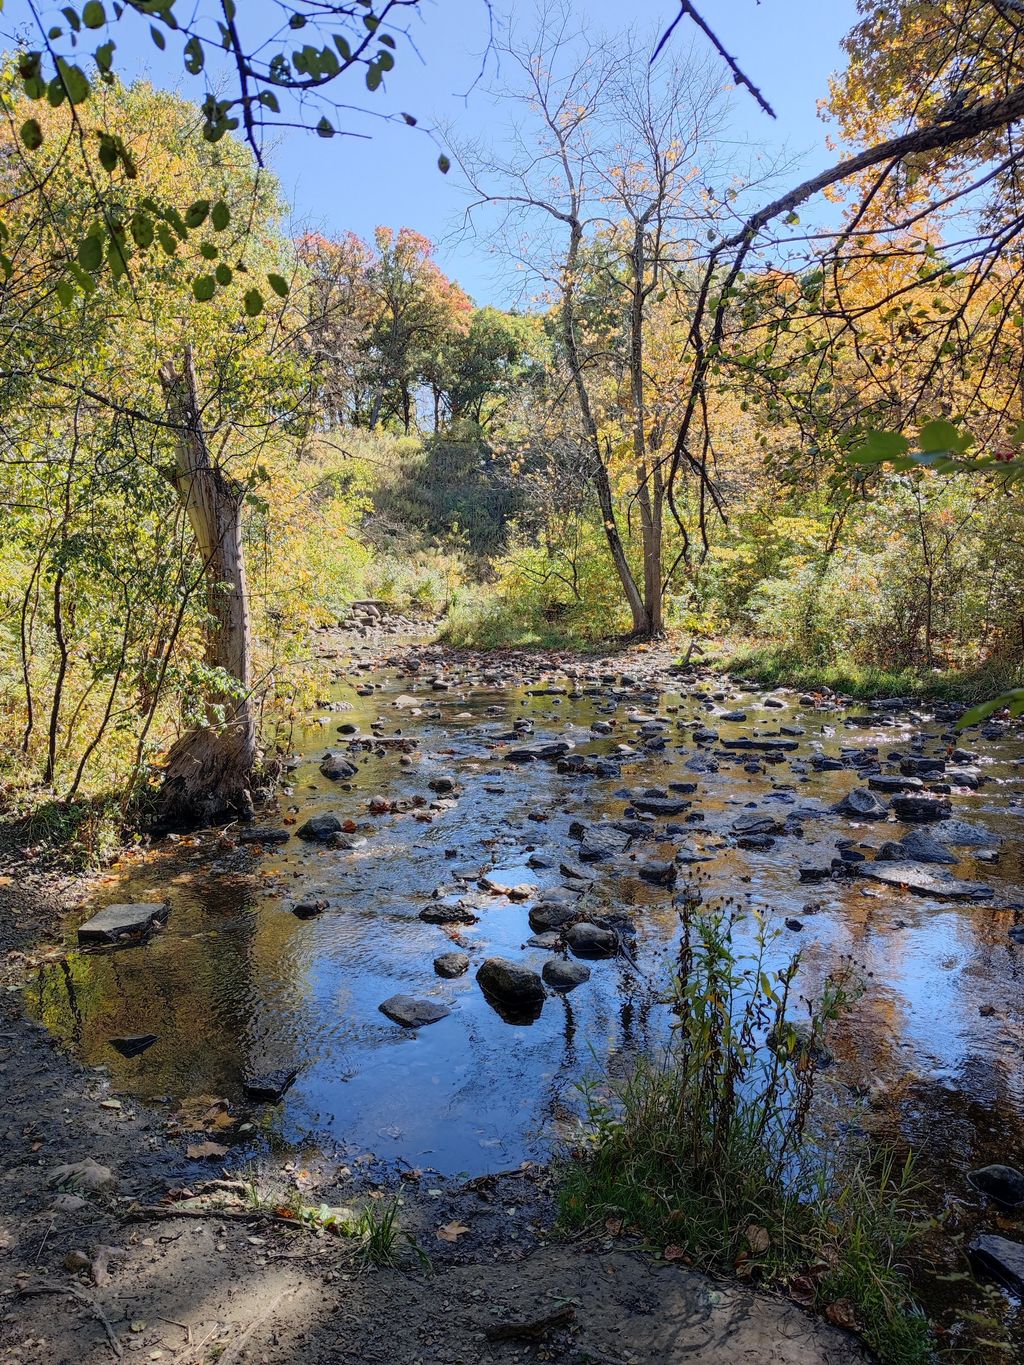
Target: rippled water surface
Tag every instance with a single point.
(236, 983)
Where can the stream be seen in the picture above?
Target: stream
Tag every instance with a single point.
(708, 780)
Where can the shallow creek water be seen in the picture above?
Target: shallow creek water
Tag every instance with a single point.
(236, 983)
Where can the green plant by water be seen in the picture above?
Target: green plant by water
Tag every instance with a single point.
(709, 1151)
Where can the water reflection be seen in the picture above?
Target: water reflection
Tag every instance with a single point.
(237, 984)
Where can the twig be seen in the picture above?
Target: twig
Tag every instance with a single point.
(175, 1323)
(686, 10)
(42, 1244)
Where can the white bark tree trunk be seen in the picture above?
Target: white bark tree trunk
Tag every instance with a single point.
(209, 770)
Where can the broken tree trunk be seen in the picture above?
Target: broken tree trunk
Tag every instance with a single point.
(209, 770)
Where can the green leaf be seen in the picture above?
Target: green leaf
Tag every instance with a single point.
(941, 435)
(220, 216)
(93, 14)
(444, 164)
(878, 446)
(203, 288)
(208, 251)
(90, 252)
(31, 134)
(325, 128)
(105, 55)
(157, 36)
(279, 285)
(75, 82)
(194, 57)
(84, 280)
(1014, 700)
(141, 228)
(108, 153)
(224, 274)
(254, 303)
(196, 214)
(166, 238)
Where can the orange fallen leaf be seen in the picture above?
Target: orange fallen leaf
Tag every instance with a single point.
(843, 1314)
(451, 1232)
(674, 1253)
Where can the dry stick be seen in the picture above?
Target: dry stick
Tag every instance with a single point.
(190, 1352)
(42, 1244)
(175, 1323)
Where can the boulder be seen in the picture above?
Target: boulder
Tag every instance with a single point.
(892, 782)
(451, 964)
(917, 878)
(319, 828)
(922, 847)
(1004, 1184)
(259, 834)
(600, 842)
(267, 1087)
(1000, 1258)
(565, 976)
(512, 985)
(659, 872)
(919, 810)
(338, 766)
(862, 804)
(548, 915)
(412, 1013)
(117, 922)
(658, 804)
(590, 940)
(531, 753)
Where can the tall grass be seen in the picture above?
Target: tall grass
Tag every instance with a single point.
(707, 1151)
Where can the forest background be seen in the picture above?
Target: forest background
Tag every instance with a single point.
(789, 438)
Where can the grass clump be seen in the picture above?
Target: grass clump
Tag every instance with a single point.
(383, 1237)
(772, 667)
(706, 1152)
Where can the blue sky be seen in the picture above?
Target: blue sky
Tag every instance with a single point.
(788, 47)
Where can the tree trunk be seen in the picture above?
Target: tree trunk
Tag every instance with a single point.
(650, 493)
(599, 473)
(209, 770)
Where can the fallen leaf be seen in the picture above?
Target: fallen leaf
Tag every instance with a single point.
(200, 1151)
(615, 1227)
(451, 1232)
(801, 1291)
(843, 1314)
(757, 1239)
(674, 1253)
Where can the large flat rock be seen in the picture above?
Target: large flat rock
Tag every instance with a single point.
(923, 881)
(116, 922)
